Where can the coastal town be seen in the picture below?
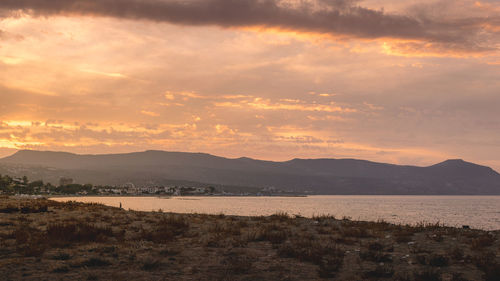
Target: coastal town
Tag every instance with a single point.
(67, 186)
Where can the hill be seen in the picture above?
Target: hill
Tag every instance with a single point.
(318, 176)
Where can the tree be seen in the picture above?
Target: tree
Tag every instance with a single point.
(38, 183)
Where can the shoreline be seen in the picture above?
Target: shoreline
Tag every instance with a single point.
(310, 206)
(267, 196)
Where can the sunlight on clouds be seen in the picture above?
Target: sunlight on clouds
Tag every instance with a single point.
(414, 48)
(108, 74)
(11, 60)
(489, 7)
(293, 105)
(327, 118)
(150, 113)
(14, 123)
(224, 129)
(262, 92)
(19, 144)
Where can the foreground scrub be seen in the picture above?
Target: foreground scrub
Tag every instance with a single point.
(43, 239)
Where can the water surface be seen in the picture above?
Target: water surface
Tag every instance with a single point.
(476, 211)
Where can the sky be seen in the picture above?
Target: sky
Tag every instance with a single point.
(405, 82)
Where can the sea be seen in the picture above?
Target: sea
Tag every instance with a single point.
(481, 212)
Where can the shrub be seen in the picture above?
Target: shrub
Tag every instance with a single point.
(357, 232)
(375, 246)
(457, 277)
(34, 248)
(322, 218)
(422, 259)
(166, 229)
(228, 229)
(59, 234)
(177, 222)
(149, 265)
(30, 241)
(375, 256)
(216, 240)
(95, 262)
(483, 241)
(275, 236)
(34, 209)
(492, 272)
(347, 241)
(329, 266)
(169, 252)
(484, 260)
(61, 269)
(403, 235)
(487, 263)
(61, 257)
(438, 260)
(427, 275)
(270, 232)
(280, 216)
(309, 250)
(381, 271)
(9, 209)
(237, 264)
(456, 253)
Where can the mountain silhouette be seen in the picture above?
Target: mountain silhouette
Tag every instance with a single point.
(318, 176)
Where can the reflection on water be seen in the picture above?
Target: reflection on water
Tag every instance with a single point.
(476, 211)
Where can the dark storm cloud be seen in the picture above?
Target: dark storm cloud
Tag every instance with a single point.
(336, 17)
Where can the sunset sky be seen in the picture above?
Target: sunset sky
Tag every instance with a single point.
(406, 82)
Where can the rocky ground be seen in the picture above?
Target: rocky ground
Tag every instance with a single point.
(46, 240)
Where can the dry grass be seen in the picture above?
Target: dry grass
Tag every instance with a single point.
(81, 241)
(62, 234)
(482, 241)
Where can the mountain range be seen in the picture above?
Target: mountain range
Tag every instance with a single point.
(316, 176)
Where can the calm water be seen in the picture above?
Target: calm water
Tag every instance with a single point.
(477, 211)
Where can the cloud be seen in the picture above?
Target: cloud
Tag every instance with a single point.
(107, 74)
(150, 113)
(340, 18)
(4, 35)
(286, 104)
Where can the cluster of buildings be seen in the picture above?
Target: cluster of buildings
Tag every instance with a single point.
(131, 189)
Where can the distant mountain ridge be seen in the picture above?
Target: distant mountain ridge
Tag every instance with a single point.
(319, 176)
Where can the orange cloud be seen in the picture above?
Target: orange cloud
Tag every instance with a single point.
(415, 48)
(150, 113)
(107, 74)
(294, 105)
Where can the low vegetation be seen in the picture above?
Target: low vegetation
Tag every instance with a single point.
(43, 239)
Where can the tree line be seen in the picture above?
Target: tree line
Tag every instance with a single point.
(11, 185)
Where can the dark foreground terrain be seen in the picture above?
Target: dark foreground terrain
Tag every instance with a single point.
(46, 240)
